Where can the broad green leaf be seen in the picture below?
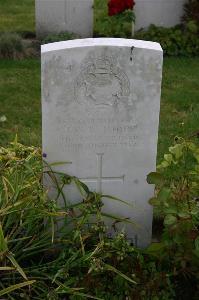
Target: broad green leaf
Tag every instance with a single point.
(163, 164)
(164, 194)
(155, 248)
(177, 150)
(183, 215)
(155, 178)
(170, 220)
(193, 173)
(168, 158)
(191, 146)
(15, 287)
(82, 187)
(154, 201)
(171, 210)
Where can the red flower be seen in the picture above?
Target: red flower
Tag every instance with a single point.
(118, 6)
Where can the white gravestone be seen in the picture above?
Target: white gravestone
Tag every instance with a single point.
(56, 16)
(100, 103)
(159, 12)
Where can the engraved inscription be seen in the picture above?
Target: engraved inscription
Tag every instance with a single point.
(102, 83)
(97, 134)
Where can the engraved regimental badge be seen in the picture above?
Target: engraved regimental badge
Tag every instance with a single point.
(102, 83)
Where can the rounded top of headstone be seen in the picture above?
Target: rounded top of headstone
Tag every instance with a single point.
(92, 42)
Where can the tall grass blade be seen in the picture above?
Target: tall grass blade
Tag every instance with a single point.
(119, 219)
(6, 268)
(117, 199)
(3, 242)
(111, 268)
(74, 291)
(16, 265)
(15, 287)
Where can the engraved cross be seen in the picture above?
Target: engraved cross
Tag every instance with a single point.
(99, 178)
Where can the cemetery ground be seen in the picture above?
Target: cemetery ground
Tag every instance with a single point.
(84, 263)
(17, 16)
(20, 101)
(179, 104)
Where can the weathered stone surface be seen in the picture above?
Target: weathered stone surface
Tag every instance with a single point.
(159, 12)
(56, 16)
(100, 102)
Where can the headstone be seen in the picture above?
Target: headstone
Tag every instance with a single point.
(101, 101)
(158, 12)
(57, 16)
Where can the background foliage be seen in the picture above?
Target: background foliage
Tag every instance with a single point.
(46, 257)
(191, 9)
(41, 258)
(175, 41)
(181, 40)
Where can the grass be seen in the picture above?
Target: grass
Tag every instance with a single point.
(20, 83)
(17, 15)
(180, 100)
(20, 101)
(20, 104)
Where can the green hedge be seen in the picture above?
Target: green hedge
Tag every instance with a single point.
(175, 41)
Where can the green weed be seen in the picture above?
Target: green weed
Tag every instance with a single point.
(11, 46)
(53, 249)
